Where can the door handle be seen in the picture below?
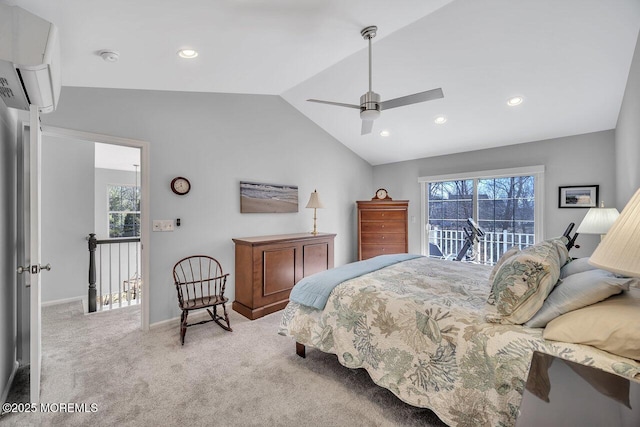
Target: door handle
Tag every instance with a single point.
(33, 269)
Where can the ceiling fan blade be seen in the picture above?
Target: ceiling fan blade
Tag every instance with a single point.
(367, 126)
(412, 99)
(339, 104)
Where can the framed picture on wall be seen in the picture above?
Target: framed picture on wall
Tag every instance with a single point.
(578, 196)
(256, 197)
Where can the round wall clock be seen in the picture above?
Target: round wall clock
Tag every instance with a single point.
(382, 194)
(180, 185)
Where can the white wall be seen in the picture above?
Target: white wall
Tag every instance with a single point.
(628, 136)
(67, 216)
(575, 160)
(217, 140)
(8, 262)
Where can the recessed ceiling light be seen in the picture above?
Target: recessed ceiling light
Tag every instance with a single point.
(384, 133)
(440, 119)
(513, 101)
(187, 53)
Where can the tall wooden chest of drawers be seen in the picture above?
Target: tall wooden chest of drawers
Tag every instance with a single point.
(382, 227)
(267, 267)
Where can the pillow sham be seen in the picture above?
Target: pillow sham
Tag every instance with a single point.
(612, 325)
(576, 266)
(524, 281)
(577, 291)
(505, 256)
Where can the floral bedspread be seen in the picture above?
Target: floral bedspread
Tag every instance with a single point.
(418, 328)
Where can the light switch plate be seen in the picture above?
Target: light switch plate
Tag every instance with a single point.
(162, 225)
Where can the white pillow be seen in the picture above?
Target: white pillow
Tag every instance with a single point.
(576, 266)
(576, 291)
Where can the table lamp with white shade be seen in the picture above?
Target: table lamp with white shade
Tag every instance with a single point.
(315, 203)
(619, 251)
(598, 221)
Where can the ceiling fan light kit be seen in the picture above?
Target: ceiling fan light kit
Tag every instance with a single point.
(370, 104)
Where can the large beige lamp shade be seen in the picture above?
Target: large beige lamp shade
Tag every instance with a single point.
(315, 203)
(619, 251)
(598, 221)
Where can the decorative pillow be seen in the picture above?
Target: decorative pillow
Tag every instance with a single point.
(577, 291)
(525, 280)
(576, 266)
(505, 256)
(612, 325)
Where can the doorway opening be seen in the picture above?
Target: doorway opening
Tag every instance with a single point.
(116, 233)
(111, 207)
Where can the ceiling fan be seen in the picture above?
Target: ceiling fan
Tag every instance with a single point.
(370, 104)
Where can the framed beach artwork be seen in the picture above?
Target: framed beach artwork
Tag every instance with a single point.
(575, 196)
(258, 197)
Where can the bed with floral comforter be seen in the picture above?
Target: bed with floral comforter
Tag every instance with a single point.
(418, 327)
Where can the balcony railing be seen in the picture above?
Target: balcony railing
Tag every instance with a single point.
(114, 273)
(490, 248)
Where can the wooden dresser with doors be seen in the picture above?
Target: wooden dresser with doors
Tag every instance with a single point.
(267, 267)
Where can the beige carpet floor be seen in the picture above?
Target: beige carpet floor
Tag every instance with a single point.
(249, 377)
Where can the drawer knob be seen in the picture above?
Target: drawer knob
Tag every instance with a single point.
(382, 225)
(383, 237)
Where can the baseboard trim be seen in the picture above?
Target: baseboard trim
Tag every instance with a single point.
(192, 317)
(164, 322)
(7, 387)
(63, 301)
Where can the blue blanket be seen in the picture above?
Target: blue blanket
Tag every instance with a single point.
(314, 290)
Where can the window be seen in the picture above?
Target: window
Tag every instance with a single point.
(504, 203)
(124, 210)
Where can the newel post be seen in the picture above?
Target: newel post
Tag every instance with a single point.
(93, 243)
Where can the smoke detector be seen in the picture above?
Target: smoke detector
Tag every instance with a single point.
(109, 55)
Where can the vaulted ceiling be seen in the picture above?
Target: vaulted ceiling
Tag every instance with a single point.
(568, 59)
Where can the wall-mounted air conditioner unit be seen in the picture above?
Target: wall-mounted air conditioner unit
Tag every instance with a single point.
(29, 60)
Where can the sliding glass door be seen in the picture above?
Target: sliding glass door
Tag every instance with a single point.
(505, 207)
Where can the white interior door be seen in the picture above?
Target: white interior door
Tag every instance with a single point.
(30, 267)
(35, 137)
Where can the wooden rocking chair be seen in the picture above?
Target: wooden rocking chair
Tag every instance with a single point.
(200, 283)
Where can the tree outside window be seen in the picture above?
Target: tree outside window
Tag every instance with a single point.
(124, 211)
(506, 204)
